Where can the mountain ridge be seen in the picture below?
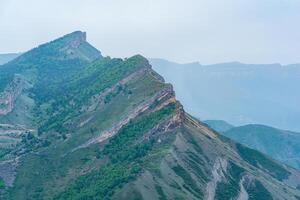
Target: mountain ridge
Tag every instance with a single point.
(229, 63)
(249, 93)
(113, 129)
(281, 145)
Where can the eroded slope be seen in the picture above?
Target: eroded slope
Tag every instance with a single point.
(114, 130)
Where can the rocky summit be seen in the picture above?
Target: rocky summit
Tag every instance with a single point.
(77, 125)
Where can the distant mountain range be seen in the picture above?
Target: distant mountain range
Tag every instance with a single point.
(238, 93)
(219, 125)
(279, 144)
(5, 58)
(76, 125)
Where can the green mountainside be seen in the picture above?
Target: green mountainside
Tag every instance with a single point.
(76, 125)
(279, 144)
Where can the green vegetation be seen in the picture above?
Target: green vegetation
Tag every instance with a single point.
(50, 63)
(230, 188)
(125, 156)
(189, 138)
(259, 160)
(268, 140)
(102, 74)
(160, 192)
(2, 184)
(47, 69)
(256, 191)
(129, 133)
(194, 160)
(56, 161)
(196, 164)
(72, 95)
(189, 183)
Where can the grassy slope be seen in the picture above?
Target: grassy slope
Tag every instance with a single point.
(50, 62)
(281, 145)
(180, 167)
(42, 69)
(102, 118)
(126, 158)
(184, 168)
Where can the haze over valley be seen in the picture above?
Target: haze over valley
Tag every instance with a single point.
(237, 93)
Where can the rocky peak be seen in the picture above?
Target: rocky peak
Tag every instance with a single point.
(71, 42)
(79, 35)
(75, 39)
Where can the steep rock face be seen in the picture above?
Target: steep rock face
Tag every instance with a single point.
(77, 39)
(10, 94)
(114, 130)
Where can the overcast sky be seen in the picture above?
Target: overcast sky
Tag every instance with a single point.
(208, 31)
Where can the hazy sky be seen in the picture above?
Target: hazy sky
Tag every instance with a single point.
(209, 31)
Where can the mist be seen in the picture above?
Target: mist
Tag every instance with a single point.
(208, 31)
